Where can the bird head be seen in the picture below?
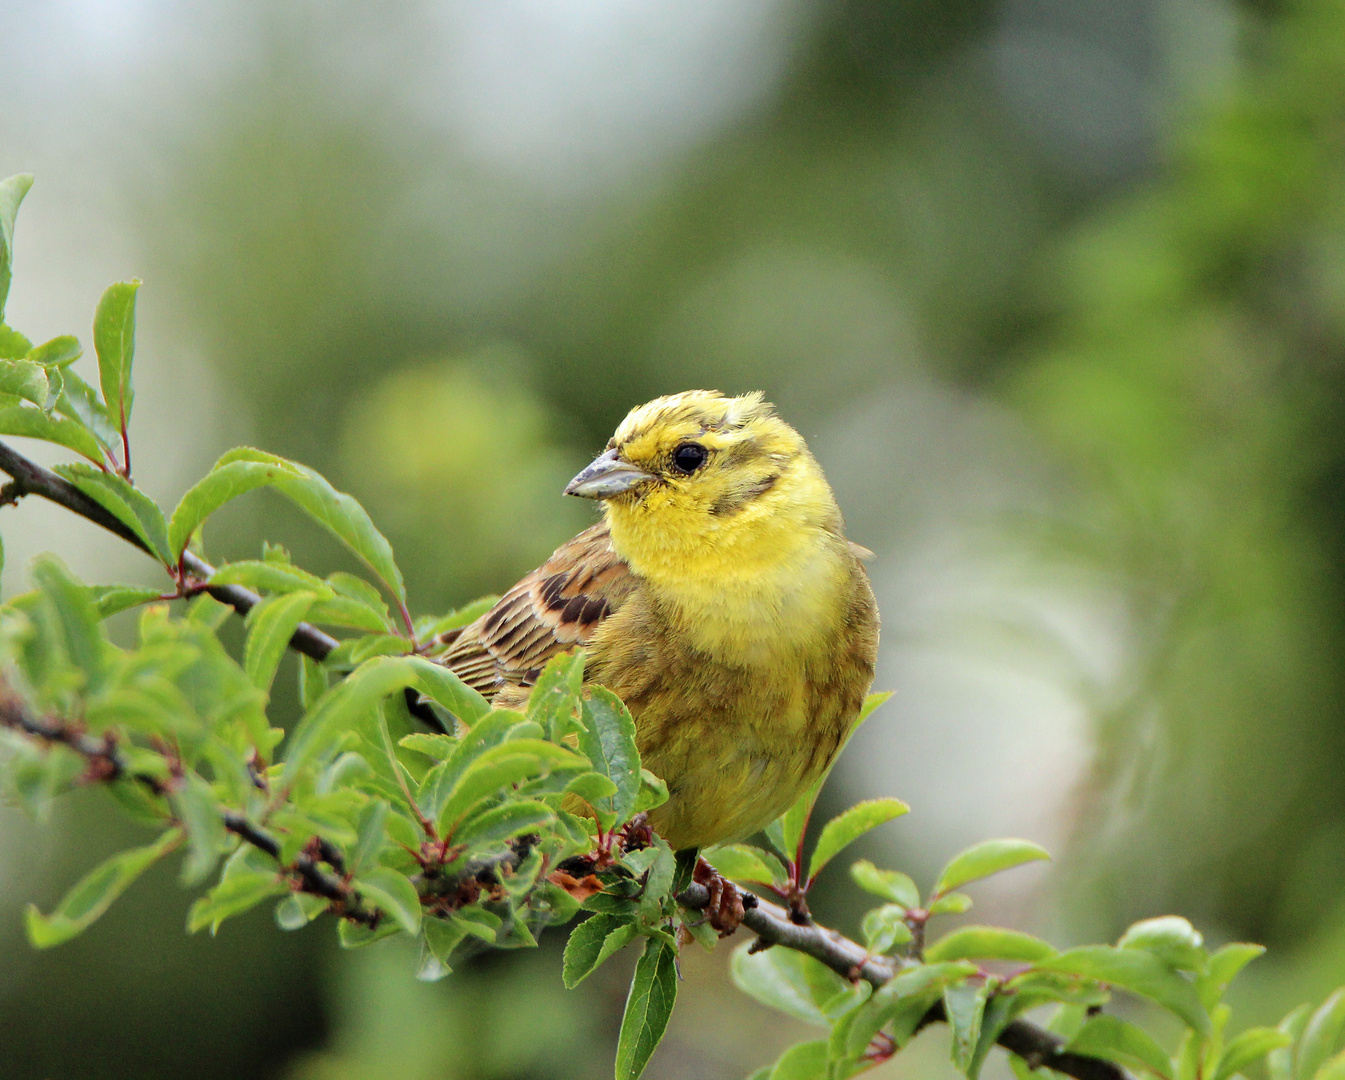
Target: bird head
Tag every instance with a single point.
(699, 476)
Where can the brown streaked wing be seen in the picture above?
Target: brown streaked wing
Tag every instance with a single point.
(554, 608)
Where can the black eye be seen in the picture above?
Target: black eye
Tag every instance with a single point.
(689, 457)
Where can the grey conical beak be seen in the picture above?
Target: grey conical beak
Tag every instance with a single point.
(608, 475)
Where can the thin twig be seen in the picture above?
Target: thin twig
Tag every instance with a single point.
(773, 926)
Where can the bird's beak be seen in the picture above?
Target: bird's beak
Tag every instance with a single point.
(608, 475)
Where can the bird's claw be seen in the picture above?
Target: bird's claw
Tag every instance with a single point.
(726, 908)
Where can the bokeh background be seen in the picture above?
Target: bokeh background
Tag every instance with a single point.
(1055, 288)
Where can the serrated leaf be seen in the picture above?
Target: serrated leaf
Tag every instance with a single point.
(128, 504)
(95, 893)
(114, 342)
(989, 943)
(342, 706)
(1247, 1048)
(12, 191)
(109, 600)
(229, 479)
(1138, 971)
(59, 352)
(849, 826)
(35, 424)
(393, 894)
(1114, 1039)
(554, 701)
(955, 903)
(79, 401)
(199, 813)
(653, 991)
(608, 741)
(591, 943)
(504, 823)
(891, 885)
(984, 859)
(338, 513)
(498, 767)
(270, 626)
(267, 576)
(1322, 1036)
(742, 862)
(233, 896)
(24, 379)
(77, 621)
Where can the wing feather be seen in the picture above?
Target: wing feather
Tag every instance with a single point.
(556, 607)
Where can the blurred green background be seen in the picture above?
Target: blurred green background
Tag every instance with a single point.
(1055, 289)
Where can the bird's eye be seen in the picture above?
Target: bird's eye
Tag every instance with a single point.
(689, 457)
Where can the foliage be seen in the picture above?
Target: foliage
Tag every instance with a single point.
(502, 822)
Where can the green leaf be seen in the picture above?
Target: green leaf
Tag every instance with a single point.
(342, 706)
(114, 342)
(59, 352)
(79, 401)
(885, 927)
(891, 885)
(109, 600)
(984, 859)
(591, 943)
(1280, 1063)
(1333, 1069)
(266, 576)
(964, 1006)
(199, 813)
(298, 910)
(504, 822)
(13, 345)
(802, 1061)
(742, 862)
(501, 766)
(608, 741)
(1223, 967)
(393, 894)
(1247, 1048)
(989, 943)
(233, 896)
(128, 504)
(955, 903)
(1114, 1039)
(1170, 938)
(24, 379)
(653, 990)
(1322, 1036)
(1138, 971)
(373, 820)
(94, 893)
(902, 1002)
(554, 701)
(849, 826)
(270, 626)
(790, 981)
(77, 619)
(12, 191)
(338, 513)
(787, 830)
(228, 479)
(35, 424)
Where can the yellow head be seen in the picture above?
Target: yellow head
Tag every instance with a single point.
(699, 486)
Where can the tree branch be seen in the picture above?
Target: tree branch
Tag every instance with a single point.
(30, 478)
(107, 765)
(773, 926)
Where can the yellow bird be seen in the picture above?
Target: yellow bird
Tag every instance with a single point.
(718, 598)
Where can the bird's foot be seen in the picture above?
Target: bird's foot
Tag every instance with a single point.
(726, 908)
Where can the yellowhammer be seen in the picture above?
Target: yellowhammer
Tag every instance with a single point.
(718, 597)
